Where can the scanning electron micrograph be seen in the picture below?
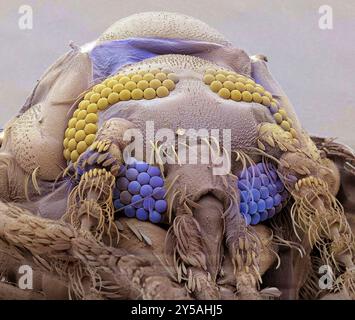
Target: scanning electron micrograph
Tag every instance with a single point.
(163, 160)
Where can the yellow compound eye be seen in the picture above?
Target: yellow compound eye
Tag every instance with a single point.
(162, 92)
(82, 128)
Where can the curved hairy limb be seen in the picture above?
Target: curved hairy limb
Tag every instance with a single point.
(318, 216)
(86, 265)
(93, 176)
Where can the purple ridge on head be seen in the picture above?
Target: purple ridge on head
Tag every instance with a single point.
(109, 57)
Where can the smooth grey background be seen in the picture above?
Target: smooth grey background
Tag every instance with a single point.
(315, 67)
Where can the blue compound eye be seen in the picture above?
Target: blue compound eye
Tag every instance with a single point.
(140, 192)
(261, 193)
